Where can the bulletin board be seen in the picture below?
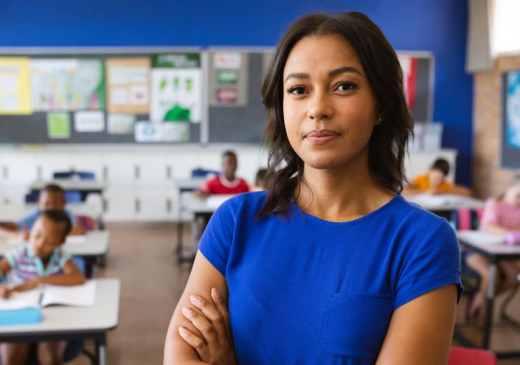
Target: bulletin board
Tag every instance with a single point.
(115, 96)
(227, 107)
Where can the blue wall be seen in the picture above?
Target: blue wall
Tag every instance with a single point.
(438, 26)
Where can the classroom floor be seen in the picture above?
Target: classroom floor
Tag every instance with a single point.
(151, 284)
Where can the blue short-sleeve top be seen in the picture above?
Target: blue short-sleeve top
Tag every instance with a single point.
(307, 291)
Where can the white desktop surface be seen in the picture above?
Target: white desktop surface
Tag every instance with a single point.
(70, 184)
(471, 239)
(193, 204)
(104, 315)
(444, 202)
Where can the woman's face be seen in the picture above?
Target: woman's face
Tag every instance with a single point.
(328, 105)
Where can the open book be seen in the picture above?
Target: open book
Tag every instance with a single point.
(78, 295)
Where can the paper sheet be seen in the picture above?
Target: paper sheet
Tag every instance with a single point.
(21, 300)
(215, 201)
(481, 238)
(15, 91)
(78, 295)
(75, 240)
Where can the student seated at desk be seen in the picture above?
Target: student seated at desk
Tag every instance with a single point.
(501, 215)
(260, 180)
(434, 182)
(227, 182)
(51, 197)
(40, 262)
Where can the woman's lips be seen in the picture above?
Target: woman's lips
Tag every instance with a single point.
(321, 137)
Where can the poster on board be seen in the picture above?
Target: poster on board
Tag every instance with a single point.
(409, 67)
(15, 91)
(177, 88)
(128, 85)
(67, 84)
(512, 109)
(228, 81)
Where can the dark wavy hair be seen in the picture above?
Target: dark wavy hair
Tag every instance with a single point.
(387, 144)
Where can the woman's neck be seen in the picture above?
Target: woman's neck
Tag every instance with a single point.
(341, 194)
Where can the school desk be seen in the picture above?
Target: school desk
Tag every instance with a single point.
(495, 250)
(92, 250)
(65, 323)
(200, 209)
(444, 204)
(183, 186)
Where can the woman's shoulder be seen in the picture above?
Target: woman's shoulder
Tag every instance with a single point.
(250, 202)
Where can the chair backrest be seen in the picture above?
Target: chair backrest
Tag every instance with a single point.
(467, 356)
(81, 175)
(73, 196)
(203, 172)
(87, 222)
(32, 197)
(466, 219)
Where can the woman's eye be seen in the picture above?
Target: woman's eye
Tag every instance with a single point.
(345, 86)
(297, 90)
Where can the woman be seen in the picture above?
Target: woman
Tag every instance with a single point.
(330, 265)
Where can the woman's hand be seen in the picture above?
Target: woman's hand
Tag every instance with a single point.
(213, 323)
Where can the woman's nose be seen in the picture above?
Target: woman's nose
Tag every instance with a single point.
(319, 107)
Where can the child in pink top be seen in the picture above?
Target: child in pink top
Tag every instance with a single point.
(501, 215)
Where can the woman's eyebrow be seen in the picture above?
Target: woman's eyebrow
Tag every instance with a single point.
(341, 70)
(338, 71)
(297, 75)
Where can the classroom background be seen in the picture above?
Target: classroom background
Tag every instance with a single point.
(172, 85)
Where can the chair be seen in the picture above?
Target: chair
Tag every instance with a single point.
(200, 173)
(71, 196)
(81, 175)
(467, 356)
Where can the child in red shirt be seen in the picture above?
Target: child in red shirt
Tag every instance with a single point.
(227, 182)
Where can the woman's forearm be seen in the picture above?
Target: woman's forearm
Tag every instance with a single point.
(176, 350)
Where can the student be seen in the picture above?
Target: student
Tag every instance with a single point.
(330, 265)
(40, 262)
(501, 215)
(227, 182)
(434, 182)
(260, 180)
(51, 197)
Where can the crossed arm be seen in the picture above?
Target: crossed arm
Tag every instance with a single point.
(420, 331)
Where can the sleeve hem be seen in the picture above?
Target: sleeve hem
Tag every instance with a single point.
(11, 260)
(213, 258)
(428, 287)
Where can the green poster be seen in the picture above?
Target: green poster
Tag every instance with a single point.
(176, 60)
(227, 77)
(58, 125)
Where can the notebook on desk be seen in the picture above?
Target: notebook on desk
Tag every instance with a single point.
(25, 307)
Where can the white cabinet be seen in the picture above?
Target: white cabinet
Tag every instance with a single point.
(118, 168)
(49, 163)
(152, 169)
(120, 204)
(19, 169)
(152, 203)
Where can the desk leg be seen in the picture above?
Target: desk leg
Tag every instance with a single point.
(180, 227)
(101, 351)
(94, 271)
(489, 306)
(194, 235)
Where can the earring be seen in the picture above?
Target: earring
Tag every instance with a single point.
(379, 120)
